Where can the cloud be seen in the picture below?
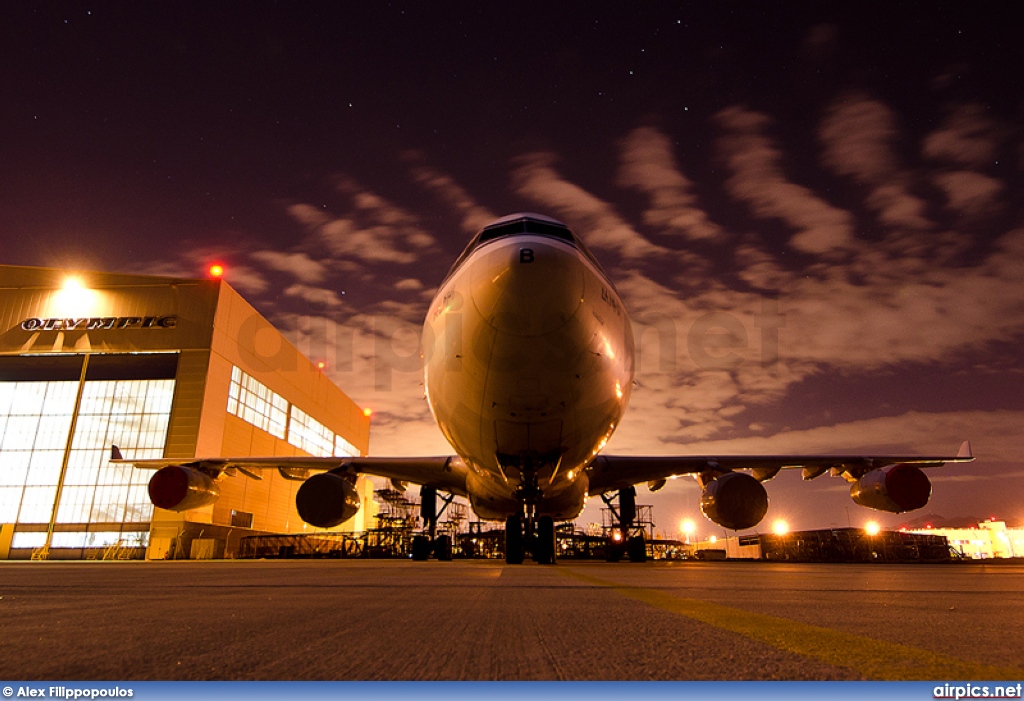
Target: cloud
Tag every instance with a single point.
(473, 216)
(968, 137)
(858, 135)
(759, 181)
(316, 296)
(534, 177)
(647, 164)
(907, 432)
(300, 265)
(969, 193)
(373, 231)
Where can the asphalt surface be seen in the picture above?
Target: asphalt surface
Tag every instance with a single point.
(481, 620)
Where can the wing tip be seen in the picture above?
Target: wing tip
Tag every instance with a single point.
(115, 453)
(965, 451)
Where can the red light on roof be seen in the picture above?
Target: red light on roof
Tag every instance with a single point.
(216, 270)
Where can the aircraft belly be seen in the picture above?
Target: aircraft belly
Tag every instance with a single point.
(493, 499)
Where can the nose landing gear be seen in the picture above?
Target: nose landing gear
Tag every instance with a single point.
(526, 531)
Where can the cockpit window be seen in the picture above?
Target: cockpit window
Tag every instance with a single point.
(527, 226)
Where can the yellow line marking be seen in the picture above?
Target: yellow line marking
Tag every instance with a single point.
(873, 659)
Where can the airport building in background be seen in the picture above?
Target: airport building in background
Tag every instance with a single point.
(991, 539)
(161, 367)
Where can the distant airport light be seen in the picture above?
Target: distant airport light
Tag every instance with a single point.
(780, 527)
(216, 270)
(688, 527)
(872, 528)
(713, 539)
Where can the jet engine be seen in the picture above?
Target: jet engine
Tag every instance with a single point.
(179, 488)
(734, 500)
(896, 489)
(327, 499)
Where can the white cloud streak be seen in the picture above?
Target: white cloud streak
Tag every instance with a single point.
(647, 164)
(759, 181)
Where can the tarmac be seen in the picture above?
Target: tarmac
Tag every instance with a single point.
(484, 620)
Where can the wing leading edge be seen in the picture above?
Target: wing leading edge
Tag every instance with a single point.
(443, 472)
(610, 472)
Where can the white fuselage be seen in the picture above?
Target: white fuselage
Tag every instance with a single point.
(528, 360)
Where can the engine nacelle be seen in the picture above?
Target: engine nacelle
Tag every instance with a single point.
(180, 488)
(327, 499)
(734, 500)
(896, 489)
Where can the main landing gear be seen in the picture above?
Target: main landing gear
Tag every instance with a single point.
(625, 538)
(425, 544)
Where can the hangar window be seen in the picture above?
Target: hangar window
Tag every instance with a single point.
(343, 447)
(31, 539)
(254, 402)
(308, 434)
(133, 414)
(126, 399)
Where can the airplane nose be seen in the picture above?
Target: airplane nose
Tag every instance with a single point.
(527, 288)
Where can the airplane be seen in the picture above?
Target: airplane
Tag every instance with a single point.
(528, 365)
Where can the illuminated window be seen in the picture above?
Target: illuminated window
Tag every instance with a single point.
(343, 447)
(28, 540)
(133, 414)
(308, 434)
(254, 402)
(35, 419)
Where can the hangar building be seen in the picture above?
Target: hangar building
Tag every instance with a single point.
(160, 367)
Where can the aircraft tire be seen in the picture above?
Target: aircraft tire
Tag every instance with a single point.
(636, 549)
(420, 547)
(443, 547)
(612, 550)
(544, 550)
(514, 540)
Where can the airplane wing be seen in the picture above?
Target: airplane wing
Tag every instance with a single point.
(610, 472)
(444, 472)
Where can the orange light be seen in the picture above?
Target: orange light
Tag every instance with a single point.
(321, 365)
(72, 284)
(216, 270)
(367, 412)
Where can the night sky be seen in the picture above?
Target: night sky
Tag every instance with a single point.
(813, 214)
